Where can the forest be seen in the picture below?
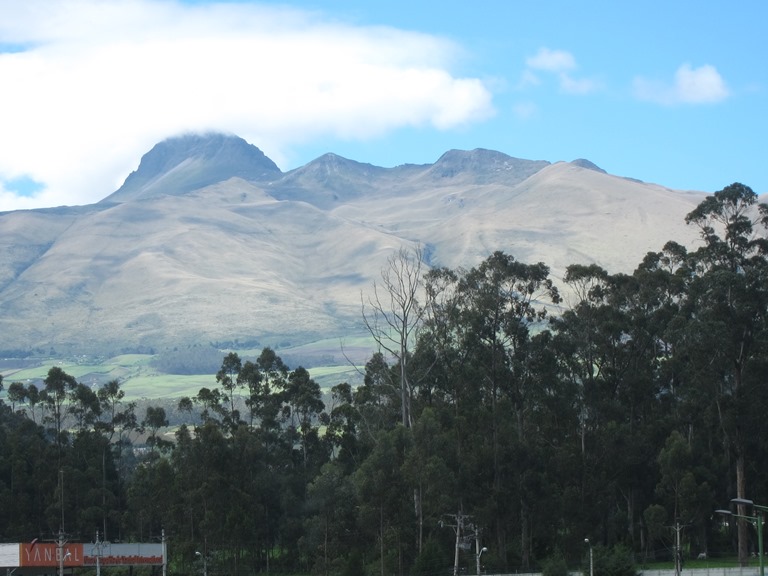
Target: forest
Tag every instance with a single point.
(505, 424)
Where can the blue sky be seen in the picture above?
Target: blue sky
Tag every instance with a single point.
(674, 93)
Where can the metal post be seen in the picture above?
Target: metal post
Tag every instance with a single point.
(759, 521)
(60, 546)
(205, 562)
(678, 550)
(456, 551)
(98, 555)
(591, 562)
(479, 553)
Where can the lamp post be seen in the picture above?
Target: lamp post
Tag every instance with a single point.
(758, 522)
(591, 563)
(483, 549)
(205, 563)
(97, 548)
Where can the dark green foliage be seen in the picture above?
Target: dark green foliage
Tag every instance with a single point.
(189, 360)
(555, 565)
(639, 407)
(354, 565)
(616, 561)
(433, 560)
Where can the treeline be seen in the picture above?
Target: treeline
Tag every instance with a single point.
(188, 360)
(488, 429)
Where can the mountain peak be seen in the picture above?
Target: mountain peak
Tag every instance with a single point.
(584, 163)
(483, 166)
(188, 162)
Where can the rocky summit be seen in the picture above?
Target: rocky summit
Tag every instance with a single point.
(208, 241)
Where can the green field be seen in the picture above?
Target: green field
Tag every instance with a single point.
(329, 362)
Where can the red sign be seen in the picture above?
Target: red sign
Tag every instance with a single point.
(50, 554)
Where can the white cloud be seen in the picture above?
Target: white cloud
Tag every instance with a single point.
(551, 60)
(100, 82)
(560, 63)
(577, 85)
(702, 85)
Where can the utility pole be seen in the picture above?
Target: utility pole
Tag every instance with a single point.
(98, 554)
(60, 548)
(165, 553)
(60, 543)
(458, 527)
(678, 549)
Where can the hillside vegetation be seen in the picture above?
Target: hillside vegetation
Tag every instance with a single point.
(495, 421)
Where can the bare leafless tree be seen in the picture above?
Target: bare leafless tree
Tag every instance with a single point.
(394, 313)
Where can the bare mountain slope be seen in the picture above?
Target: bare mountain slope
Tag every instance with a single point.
(192, 161)
(277, 257)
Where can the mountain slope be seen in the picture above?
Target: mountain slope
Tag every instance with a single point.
(185, 163)
(255, 254)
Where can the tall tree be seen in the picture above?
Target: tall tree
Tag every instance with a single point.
(305, 404)
(726, 314)
(227, 377)
(485, 315)
(58, 385)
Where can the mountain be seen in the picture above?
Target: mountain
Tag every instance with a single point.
(179, 165)
(208, 241)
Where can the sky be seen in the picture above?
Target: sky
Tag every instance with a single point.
(673, 93)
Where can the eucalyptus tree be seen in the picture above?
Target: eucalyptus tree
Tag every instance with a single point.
(481, 324)
(58, 385)
(91, 475)
(724, 332)
(377, 400)
(268, 395)
(17, 394)
(227, 377)
(84, 407)
(117, 420)
(342, 428)
(384, 514)
(150, 502)
(429, 465)
(304, 405)
(32, 396)
(683, 487)
(576, 330)
(612, 348)
(27, 480)
(250, 378)
(118, 417)
(154, 419)
(330, 519)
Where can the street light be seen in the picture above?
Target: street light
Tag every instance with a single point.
(484, 549)
(591, 563)
(205, 562)
(757, 520)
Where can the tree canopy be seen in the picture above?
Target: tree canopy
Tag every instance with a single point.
(493, 426)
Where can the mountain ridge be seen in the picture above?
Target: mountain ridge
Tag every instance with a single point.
(192, 161)
(260, 254)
